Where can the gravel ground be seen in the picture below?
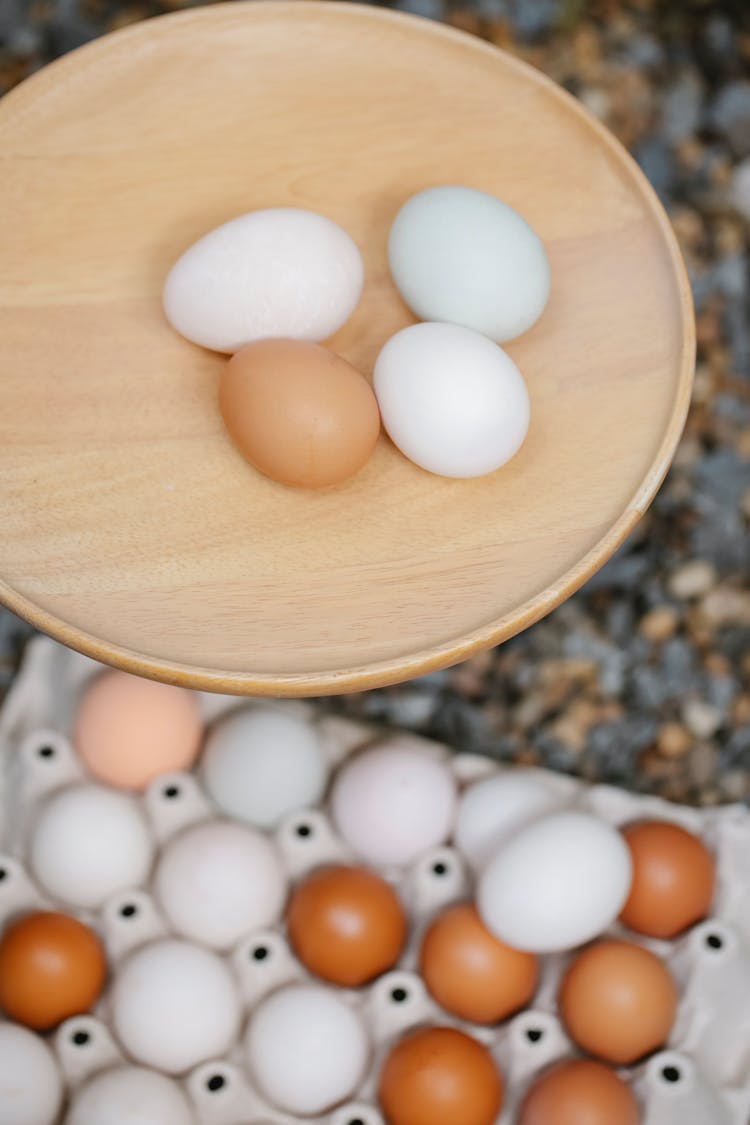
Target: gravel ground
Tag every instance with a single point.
(643, 678)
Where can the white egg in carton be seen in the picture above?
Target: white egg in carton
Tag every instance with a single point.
(702, 1078)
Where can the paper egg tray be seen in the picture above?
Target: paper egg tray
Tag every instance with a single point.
(703, 1078)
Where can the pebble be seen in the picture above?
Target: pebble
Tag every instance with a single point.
(702, 764)
(702, 719)
(660, 624)
(739, 189)
(429, 9)
(413, 708)
(692, 579)
(734, 785)
(674, 740)
(730, 115)
(682, 107)
(726, 606)
(741, 710)
(655, 158)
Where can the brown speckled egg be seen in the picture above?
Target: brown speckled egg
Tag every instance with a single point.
(346, 925)
(299, 413)
(579, 1092)
(618, 1001)
(470, 972)
(440, 1076)
(51, 967)
(674, 877)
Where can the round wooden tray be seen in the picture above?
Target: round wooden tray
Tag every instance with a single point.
(131, 529)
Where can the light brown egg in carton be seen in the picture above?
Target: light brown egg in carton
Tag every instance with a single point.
(702, 1077)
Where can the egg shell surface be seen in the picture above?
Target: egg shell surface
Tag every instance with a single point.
(130, 1095)
(346, 924)
(618, 1001)
(259, 764)
(463, 256)
(493, 809)
(579, 1092)
(217, 881)
(298, 412)
(674, 879)
(440, 1076)
(283, 271)
(129, 730)
(306, 1048)
(453, 402)
(31, 1087)
(557, 883)
(88, 843)
(51, 967)
(470, 972)
(174, 1005)
(393, 802)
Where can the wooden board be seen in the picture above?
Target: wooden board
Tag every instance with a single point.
(130, 528)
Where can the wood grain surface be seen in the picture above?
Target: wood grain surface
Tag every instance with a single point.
(129, 526)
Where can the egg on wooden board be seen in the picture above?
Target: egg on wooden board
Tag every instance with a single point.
(283, 271)
(298, 412)
(463, 256)
(451, 400)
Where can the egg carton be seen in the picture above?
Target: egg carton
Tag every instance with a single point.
(701, 1078)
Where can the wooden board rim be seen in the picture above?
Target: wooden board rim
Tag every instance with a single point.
(421, 662)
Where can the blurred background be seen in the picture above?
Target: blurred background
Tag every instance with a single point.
(643, 678)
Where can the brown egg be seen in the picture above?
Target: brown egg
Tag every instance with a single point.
(618, 1001)
(579, 1092)
(674, 877)
(299, 413)
(470, 972)
(51, 966)
(440, 1076)
(346, 925)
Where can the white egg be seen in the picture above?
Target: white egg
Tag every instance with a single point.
(217, 881)
(493, 809)
(31, 1086)
(130, 1095)
(463, 256)
(280, 272)
(557, 883)
(90, 842)
(393, 802)
(451, 400)
(307, 1049)
(174, 1005)
(260, 764)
